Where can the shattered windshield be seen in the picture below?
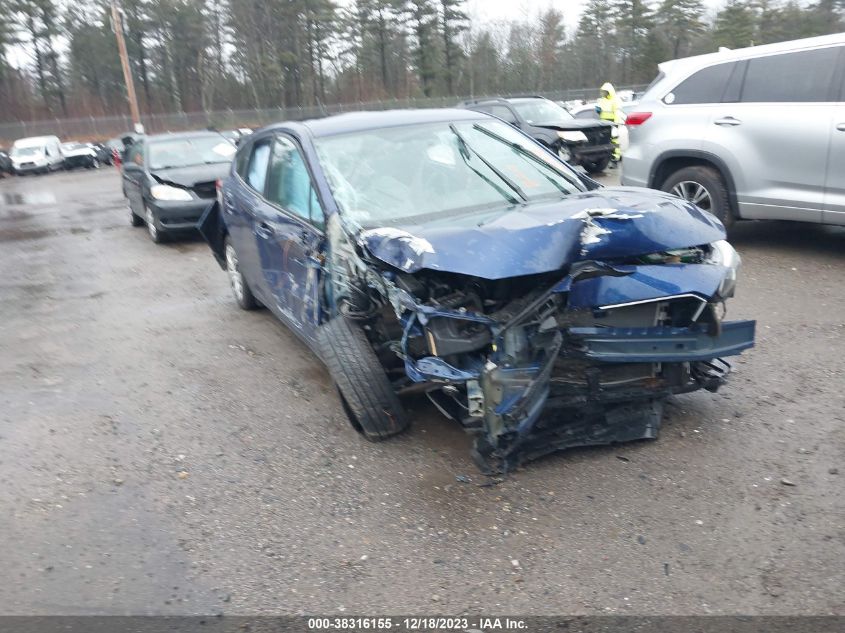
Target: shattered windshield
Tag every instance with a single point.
(184, 152)
(401, 173)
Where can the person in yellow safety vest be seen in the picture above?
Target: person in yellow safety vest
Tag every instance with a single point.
(609, 108)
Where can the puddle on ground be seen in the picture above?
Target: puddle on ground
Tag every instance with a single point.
(17, 235)
(15, 198)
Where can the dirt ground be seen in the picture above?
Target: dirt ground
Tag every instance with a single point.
(164, 452)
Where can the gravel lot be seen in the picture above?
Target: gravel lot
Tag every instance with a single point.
(165, 452)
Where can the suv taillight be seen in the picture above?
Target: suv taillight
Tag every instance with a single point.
(637, 118)
(218, 187)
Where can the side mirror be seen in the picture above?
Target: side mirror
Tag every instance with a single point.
(131, 167)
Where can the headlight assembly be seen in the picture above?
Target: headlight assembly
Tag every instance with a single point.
(166, 192)
(573, 137)
(723, 254)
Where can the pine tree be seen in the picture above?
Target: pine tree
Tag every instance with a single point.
(453, 21)
(680, 22)
(734, 27)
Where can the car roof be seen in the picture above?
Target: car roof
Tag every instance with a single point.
(361, 121)
(689, 64)
(33, 141)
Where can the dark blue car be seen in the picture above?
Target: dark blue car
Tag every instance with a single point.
(444, 252)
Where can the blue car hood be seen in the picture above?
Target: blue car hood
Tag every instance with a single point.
(604, 224)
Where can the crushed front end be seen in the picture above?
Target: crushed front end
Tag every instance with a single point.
(540, 363)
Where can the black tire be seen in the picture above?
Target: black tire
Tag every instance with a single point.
(596, 166)
(368, 398)
(244, 298)
(134, 220)
(712, 182)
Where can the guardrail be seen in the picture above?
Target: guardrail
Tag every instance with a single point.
(104, 127)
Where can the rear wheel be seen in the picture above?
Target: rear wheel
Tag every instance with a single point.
(367, 396)
(704, 187)
(240, 288)
(596, 166)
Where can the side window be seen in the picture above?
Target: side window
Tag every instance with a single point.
(705, 86)
(289, 183)
(792, 77)
(256, 171)
(242, 159)
(504, 113)
(134, 154)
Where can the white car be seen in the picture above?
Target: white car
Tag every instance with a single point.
(36, 154)
(80, 155)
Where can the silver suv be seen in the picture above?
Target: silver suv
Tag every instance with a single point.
(755, 133)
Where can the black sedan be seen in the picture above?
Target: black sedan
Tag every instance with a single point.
(170, 179)
(578, 142)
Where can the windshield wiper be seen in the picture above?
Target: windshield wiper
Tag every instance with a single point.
(467, 148)
(519, 149)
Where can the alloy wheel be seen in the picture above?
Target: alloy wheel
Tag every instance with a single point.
(694, 192)
(151, 224)
(235, 277)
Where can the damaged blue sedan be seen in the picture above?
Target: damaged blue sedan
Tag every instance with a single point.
(444, 252)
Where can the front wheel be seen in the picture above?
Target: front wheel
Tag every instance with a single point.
(367, 396)
(134, 220)
(240, 288)
(152, 225)
(704, 187)
(595, 166)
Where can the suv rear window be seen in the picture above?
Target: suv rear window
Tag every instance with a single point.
(705, 86)
(796, 77)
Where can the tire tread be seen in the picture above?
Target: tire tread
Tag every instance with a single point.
(356, 370)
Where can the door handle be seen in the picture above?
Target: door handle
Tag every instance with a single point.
(264, 230)
(728, 120)
(841, 127)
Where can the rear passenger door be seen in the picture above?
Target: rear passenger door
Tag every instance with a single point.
(834, 207)
(773, 132)
(290, 237)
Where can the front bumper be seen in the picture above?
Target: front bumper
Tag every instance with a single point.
(29, 168)
(581, 153)
(663, 344)
(179, 215)
(570, 369)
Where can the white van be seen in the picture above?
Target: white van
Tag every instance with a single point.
(37, 154)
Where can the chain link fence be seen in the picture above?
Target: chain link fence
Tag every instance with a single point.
(101, 128)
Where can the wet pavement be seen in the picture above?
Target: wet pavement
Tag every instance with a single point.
(165, 452)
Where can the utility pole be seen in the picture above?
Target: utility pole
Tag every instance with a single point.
(117, 25)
